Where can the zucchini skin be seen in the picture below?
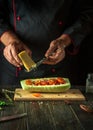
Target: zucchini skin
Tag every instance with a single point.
(46, 88)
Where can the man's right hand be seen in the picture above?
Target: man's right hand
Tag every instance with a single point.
(11, 53)
(12, 47)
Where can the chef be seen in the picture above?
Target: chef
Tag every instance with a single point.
(43, 28)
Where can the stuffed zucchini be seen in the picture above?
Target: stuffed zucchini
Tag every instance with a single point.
(53, 84)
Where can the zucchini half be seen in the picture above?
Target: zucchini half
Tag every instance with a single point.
(46, 88)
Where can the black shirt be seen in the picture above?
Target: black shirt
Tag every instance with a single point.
(37, 23)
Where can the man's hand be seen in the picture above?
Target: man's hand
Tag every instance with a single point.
(12, 47)
(11, 52)
(56, 50)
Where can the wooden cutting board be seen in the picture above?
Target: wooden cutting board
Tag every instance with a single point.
(71, 94)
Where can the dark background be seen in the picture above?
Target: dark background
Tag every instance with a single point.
(85, 59)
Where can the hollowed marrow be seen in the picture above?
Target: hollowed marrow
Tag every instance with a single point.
(34, 85)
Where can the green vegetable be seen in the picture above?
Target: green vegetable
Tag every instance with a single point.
(2, 103)
(46, 88)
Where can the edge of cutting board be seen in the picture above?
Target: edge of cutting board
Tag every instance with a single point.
(71, 94)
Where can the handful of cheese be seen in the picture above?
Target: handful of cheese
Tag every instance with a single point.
(53, 84)
(26, 60)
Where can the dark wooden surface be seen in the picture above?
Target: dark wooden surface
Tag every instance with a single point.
(49, 115)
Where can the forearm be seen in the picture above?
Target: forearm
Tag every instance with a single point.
(8, 38)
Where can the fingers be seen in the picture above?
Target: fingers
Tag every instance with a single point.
(16, 60)
(55, 53)
(11, 52)
(12, 58)
(52, 48)
(55, 57)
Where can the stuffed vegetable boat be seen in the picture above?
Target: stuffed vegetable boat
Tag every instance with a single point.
(52, 84)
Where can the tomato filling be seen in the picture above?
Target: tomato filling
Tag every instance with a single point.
(52, 81)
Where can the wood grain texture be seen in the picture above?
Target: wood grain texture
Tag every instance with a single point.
(71, 94)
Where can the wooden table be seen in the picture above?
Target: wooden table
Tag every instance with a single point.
(49, 115)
